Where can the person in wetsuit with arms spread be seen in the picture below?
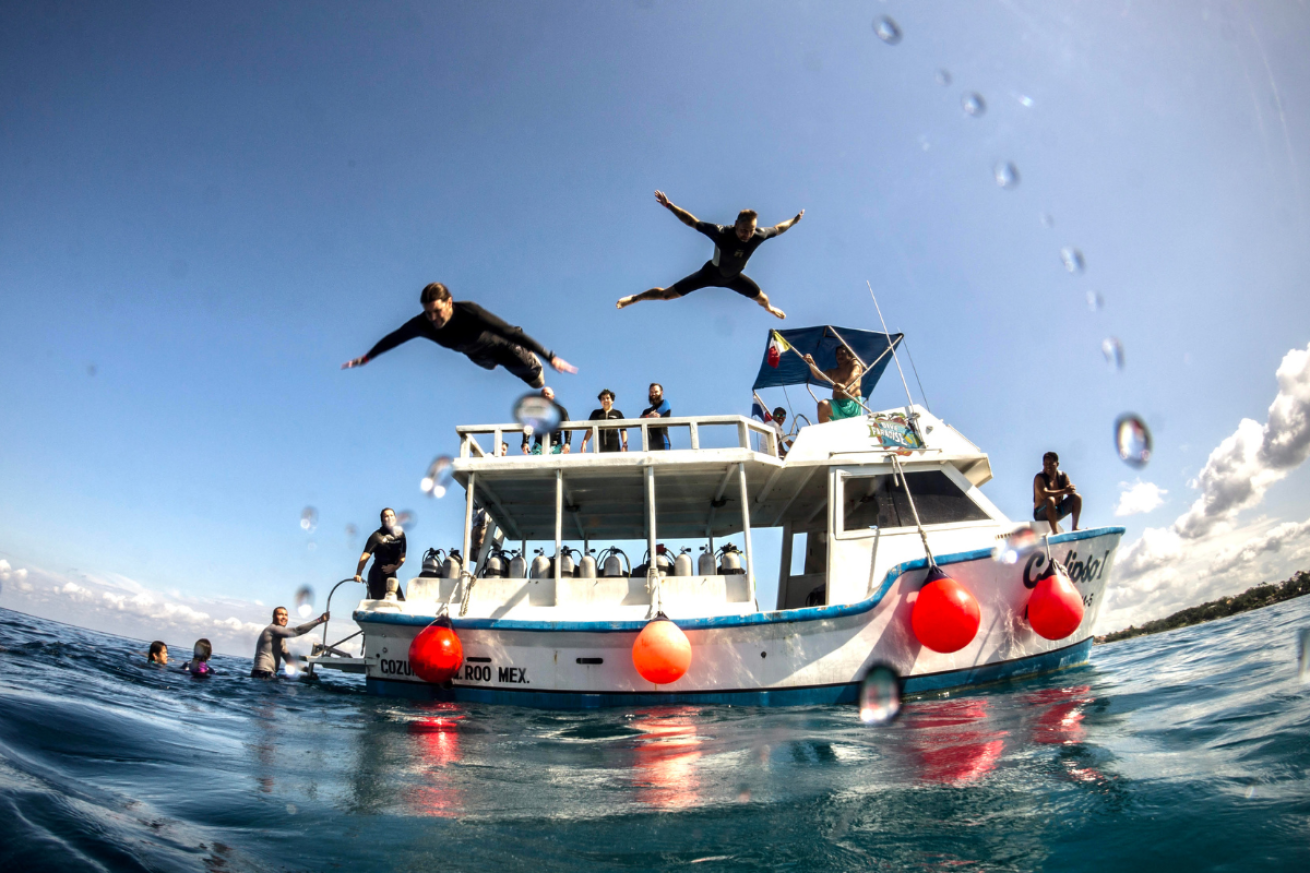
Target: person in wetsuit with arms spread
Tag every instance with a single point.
(271, 650)
(386, 546)
(466, 327)
(1054, 496)
(733, 246)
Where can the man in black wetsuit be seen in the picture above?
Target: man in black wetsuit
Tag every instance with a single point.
(1054, 496)
(466, 327)
(386, 546)
(733, 247)
(659, 408)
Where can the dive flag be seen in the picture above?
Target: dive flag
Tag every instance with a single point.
(777, 345)
(758, 409)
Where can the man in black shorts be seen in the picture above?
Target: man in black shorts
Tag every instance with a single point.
(733, 247)
(1054, 496)
(466, 327)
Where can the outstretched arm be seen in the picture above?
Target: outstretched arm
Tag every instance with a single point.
(785, 226)
(683, 215)
(402, 334)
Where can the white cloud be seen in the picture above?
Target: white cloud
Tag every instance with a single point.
(1139, 497)
(1206, 553)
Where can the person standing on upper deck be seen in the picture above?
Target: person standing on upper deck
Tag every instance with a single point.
(659, 408)
(610, 440)
(1054, 496)
(733, 246)
(561, 441)
(845, 379)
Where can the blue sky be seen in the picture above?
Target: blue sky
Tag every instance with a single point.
(204, 210)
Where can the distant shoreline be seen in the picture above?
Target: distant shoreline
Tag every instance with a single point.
(1252, 598)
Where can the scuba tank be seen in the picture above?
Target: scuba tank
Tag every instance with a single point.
(705, 563)
(566, 566)
(518, 565)
(587, 566)
(730, 561)
(682, 564)
(495, 565)
(612, 562)
(453, 566)
(663, 565)
(433, 560)
(540, 565)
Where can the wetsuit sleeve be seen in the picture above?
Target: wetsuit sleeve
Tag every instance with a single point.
(374, 540)
(565, 436)
(769, 232)
(665, 410)
(710, 230)
(497, 326)
(404, 544)
(403, 334)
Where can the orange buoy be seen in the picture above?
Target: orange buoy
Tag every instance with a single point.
(661, 652)
(435, 655)
(1055, 608)
(945, 616)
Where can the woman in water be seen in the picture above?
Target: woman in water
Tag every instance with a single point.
(200, 655)
(158, 653)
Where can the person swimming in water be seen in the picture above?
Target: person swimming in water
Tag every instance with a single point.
(200, 655)
(466, 327)
(733, 246)
(158, 653)
(271, 649)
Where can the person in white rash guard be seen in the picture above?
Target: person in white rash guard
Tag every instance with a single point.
(271, 650)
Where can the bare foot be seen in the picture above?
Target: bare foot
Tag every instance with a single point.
(626, 301)
(776, 311)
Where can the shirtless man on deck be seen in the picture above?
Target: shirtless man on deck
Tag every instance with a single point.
(733, 246)
(845, 388)
(1054, 496)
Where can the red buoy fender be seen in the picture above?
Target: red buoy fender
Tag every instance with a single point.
(661, 653)
(1055, 608)
(945, 617)
(435, 655)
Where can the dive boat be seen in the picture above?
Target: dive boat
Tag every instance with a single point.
(874, 510)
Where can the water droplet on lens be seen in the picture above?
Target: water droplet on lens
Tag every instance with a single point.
(406, 519)
(973, 104)
(351, 532)
(1017, 546)
(943, 77)
(1303, 657)
(92, 369)
(1114, 353)
(439, 476)
(1072, 259)
(1132, 440)
(308, 518)
(880, 695)
(1047, 220)
(1094, 301)
(1006, 174)
(536, 412)
(305, 601)
(887, 30)
(291, 668)
(291, 809)
(1024, 100)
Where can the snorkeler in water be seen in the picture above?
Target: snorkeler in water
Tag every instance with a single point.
(200, 655)
(466, 327)
(733, 246)
(158, 653)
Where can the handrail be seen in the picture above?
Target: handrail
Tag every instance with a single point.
(744, 424)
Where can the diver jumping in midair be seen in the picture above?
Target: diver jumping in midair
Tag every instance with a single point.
(466, 327)
(733, 246)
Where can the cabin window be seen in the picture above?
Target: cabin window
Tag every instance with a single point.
(874, 501)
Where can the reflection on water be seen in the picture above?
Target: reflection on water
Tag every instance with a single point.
(664, 770)
(434, 746)
(953, 744)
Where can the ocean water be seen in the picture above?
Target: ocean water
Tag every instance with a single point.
(1182, 751)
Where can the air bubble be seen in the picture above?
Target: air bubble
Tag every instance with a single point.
(1017, 546)
(880, 695)
(308, 518)
(1132, 440)
(1095, 301)
(1006, 175)
(973, 104)
(304, 601)
(888, 31)
(943, 77)
(1072, 259)
(537, 414)
(439, 476)
(1113, 350)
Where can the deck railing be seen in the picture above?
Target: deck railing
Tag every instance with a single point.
(695, 426)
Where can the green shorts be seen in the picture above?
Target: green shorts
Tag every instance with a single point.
(845, 409)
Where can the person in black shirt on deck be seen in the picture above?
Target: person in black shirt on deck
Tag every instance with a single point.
(609, 440)
(386, 546)
(561, 441)
(466, 327)
(733, 247)
(1054, 495)
(659, 408)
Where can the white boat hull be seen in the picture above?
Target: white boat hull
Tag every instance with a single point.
(798, 656)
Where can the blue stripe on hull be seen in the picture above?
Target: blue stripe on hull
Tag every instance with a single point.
(807, 696)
